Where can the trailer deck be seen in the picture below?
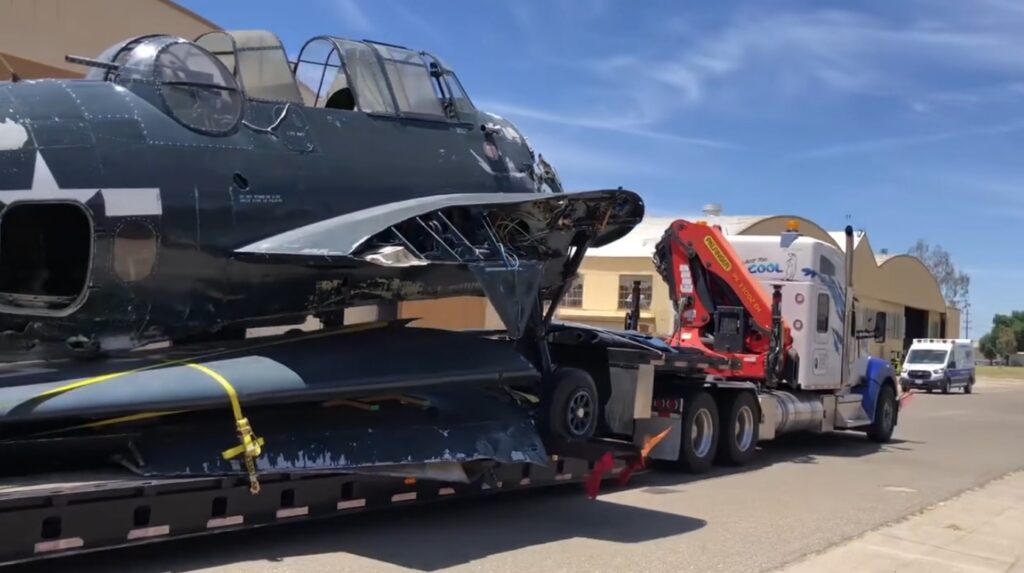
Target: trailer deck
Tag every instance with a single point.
(51, 515)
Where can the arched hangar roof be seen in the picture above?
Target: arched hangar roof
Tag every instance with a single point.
(900, 279)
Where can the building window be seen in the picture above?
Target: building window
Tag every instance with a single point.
(626, 290)
(865, 319)
(823, 311)
(574, 294)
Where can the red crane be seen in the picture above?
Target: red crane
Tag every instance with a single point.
(724, 317)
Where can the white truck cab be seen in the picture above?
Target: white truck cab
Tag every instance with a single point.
(813, 278)
(939, 364)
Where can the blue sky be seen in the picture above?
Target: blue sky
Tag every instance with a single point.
(905, 117)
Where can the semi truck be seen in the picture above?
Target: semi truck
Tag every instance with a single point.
(751, 357)
(755, 356)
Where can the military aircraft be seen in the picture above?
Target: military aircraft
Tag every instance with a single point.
(188, 189)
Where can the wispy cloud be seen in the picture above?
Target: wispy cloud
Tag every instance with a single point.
(414, 20)
(875, 144)
(837, 50)
(600, 123)
(578, 165)
(996, 195)
(760, 57)
(884, 143)
(762, 62)
(968, 98)
(995, 272)
(352, 15)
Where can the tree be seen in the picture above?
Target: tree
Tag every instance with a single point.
(987, 346)
(955, 284)
(1006, 342)
(1014, 321)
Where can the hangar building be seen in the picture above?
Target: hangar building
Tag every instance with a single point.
(899, 285)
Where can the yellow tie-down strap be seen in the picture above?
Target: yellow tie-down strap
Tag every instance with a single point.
(250, 445)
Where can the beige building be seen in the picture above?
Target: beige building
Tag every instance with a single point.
(899, 285)
(35, 35)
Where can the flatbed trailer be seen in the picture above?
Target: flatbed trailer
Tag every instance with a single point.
(70, 511)
(46, 516)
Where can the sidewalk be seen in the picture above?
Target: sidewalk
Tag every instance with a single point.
(980, 530)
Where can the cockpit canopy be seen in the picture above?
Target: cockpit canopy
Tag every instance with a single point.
(344, 74)
(203, 84)
(257, 60)
(195, 88)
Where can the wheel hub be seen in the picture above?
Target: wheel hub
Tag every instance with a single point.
(887, 414)
(702, 433)
(580, 412)
(744, 428)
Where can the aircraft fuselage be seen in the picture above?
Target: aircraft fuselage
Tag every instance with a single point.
(151, 213)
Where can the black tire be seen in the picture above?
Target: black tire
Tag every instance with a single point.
(698, 446)
(739, 424)
(886, 410)
(571, 409)
(969, 387)
(945, 386)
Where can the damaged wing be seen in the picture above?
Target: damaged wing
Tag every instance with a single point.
(455, 228)
(510, 248)
(287, 369)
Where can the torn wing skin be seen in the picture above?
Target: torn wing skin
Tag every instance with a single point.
(438, 434)
(322, 402)
(462, 244)
(452, 427)
(458, 228)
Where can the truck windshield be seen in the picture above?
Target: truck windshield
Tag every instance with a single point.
(924, 356)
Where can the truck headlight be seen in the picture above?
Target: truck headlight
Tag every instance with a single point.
(939, 371)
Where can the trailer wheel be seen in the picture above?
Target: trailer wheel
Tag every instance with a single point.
(884, 423)
(572, 405)
(699, 441)
(739, 424)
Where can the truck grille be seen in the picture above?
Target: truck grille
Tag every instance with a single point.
(919, 374)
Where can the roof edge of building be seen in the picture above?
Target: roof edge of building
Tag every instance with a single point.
(920, 263)
(190, 13)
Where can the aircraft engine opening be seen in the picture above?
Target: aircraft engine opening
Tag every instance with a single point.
(45, 253)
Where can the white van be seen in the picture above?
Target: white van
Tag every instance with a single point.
(939, 364)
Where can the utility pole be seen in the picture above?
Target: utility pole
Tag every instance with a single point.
(967, 319)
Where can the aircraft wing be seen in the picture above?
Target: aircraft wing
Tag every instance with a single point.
(610, 213)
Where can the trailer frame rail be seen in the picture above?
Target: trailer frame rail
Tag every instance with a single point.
(44, 522)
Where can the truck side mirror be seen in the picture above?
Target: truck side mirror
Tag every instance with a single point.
(880, 327)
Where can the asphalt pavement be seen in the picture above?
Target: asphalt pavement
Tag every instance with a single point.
(804, 494)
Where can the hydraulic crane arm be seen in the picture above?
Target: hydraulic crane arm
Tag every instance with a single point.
(721, 309)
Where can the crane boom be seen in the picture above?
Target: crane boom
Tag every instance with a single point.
(722, 312)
